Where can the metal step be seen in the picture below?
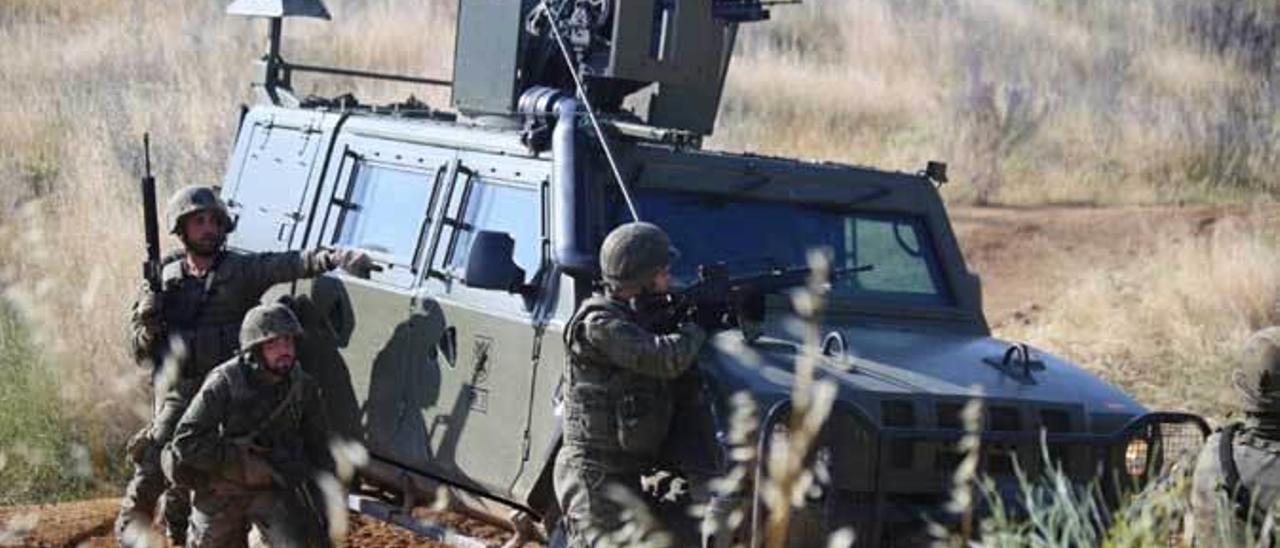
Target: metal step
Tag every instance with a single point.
(394, 515)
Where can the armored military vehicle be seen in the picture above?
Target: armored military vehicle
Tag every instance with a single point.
(569, 117)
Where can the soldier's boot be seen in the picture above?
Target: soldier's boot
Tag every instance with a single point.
(137, 509)
(219, 520)
(177, 514)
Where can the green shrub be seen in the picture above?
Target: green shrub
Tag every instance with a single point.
(41, 458)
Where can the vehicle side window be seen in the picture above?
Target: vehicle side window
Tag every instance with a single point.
(497, 206)
(385, 212)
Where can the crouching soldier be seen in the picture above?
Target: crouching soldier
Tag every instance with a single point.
(1236, 483)
(252, 441)
(205, 291)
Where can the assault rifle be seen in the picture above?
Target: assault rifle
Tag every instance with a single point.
(718, 300)
(305, 500)
(150, 221)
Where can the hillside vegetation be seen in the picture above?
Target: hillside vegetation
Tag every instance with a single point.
(1031, 102)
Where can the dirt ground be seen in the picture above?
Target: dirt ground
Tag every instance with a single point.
(1024, 255)
(88, 524)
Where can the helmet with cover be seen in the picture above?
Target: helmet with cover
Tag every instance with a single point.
(1258, 379)
(194, 199)
(632, 253)
(265, 322)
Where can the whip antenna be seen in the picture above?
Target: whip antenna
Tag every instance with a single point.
(591, 111)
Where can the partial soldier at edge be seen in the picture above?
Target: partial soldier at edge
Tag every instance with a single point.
(1236, 483)
(618, 405)
(193, 324)
(252, 442)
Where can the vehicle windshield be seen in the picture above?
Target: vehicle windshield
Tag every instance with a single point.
(881, 257)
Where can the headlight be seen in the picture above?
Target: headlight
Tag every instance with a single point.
(1135, 457)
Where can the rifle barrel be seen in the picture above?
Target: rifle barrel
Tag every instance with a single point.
(150, 221)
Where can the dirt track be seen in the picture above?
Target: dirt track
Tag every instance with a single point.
(1023, 255)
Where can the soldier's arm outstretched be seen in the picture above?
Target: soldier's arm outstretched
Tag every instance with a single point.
(632, 347)
(268, 269)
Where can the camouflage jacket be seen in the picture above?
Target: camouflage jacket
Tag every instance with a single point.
(618, 398)
(236, 409)
(205, 312)
(1217, 515)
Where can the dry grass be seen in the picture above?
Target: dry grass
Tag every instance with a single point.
(1169, 326)
(1032, 102)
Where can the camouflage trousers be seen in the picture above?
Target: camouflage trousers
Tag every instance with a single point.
(591, 514)
(222, 518)
(1214, 519)
(148, 484)
(603, 503)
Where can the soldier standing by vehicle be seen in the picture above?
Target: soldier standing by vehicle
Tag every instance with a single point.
(252, 440)
(617, 407)
(1238, 472)
(192, 323)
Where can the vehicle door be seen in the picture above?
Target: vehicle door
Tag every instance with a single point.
(382, 201)
(479, 431)
(271, 176)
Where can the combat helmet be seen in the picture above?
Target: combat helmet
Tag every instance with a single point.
(265, 322)
(193, 199)
(632, 253)
(1258, 378)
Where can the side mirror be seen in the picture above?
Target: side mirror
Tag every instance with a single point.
(491, 264)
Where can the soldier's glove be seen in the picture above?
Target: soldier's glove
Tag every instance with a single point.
(353, 261)
(656, 313)
(139, 445)
(149, 312)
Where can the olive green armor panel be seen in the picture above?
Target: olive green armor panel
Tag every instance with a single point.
(232, 409)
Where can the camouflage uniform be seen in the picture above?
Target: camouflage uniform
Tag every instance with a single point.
(239, 415)
(617, 407)
(202, 315)
(1229, 515)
